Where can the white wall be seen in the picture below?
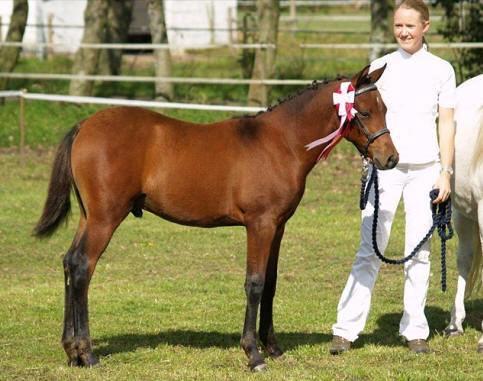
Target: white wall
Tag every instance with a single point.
(65, 13)
(196, 14)
(70, 14)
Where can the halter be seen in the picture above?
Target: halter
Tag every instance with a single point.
(370, 137)
(344, 102)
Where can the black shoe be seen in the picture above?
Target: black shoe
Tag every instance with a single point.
(339, 345)
(418, 346)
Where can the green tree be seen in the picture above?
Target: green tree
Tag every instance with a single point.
(9, 54)
(463, 23)
(86, 60)
(159, 35)
(268, 12)
(381, 28)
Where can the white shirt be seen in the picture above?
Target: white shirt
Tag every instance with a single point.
(412, 86)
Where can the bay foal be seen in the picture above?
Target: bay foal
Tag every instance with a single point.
(247, 171)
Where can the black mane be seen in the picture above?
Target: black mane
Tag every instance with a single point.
(315, 85)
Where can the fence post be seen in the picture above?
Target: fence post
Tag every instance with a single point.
(293, 15)
(50, 35)
(21, 122)
(230, 27)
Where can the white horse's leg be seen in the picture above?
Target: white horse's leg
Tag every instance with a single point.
(480, 224)
(466, 230)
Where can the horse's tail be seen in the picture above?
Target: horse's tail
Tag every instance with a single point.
(57, 205)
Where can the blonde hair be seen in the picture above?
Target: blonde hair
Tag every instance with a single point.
(418, 5)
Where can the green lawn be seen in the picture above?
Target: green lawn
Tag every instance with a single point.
(167, 301)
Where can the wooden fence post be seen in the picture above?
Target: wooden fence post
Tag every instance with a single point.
(21, 122)
(50, 35)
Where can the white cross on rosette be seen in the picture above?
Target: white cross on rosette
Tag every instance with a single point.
(343, 100)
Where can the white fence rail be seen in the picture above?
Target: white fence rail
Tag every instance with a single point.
(22, 95)
(125, 78)
(436, 45)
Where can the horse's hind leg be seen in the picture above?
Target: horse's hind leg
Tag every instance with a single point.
(79, 264)
(260, 235)
(266, 330)
(466, 230)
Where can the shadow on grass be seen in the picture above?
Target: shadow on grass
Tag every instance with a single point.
(198, 339)
(387, 330)
(385, 334)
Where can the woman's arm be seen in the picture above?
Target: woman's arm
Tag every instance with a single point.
(446, 130)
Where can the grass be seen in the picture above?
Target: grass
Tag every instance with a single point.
(167, 301)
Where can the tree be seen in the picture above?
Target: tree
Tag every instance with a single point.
(463, 23)
(9, 55)
(86, 60)
(381, 28)
(162, 57)
(119, 16)
(268, 12)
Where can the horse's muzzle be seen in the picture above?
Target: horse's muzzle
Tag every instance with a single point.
(389, 163)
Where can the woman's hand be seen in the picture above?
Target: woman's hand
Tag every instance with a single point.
(443, 184)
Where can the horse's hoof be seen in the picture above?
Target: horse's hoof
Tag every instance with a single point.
(259, 368)
(89, 360)
(452, 332)
(86, 360)
(480, 348)
(275, 353)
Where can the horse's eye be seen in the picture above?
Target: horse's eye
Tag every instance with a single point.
(364, 114)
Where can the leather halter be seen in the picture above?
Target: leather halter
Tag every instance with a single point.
(370, 137)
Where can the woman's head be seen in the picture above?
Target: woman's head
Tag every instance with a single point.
(411, 22)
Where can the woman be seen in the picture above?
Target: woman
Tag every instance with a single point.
(415, 86)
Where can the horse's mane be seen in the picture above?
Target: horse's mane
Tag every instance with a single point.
(315, 85)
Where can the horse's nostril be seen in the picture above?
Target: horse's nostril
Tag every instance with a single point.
(392, 161)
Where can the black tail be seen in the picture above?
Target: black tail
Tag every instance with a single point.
(57, 205)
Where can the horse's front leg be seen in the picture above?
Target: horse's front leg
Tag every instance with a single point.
(466, 230)
(266, 331)
(480, 225)
(260, 236)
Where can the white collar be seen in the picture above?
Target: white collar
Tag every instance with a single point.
(405, 55)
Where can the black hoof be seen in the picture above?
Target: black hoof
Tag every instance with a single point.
(480, 348)
(86, 360)
(261, 367)
(274, 352)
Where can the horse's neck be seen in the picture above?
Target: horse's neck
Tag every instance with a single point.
(303, 120)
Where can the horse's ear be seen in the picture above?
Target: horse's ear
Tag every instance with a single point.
(361, 77)
(364, 78)
(376, 74)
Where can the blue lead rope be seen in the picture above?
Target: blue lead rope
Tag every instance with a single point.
(441, 214)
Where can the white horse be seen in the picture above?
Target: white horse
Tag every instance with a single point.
(468, 197)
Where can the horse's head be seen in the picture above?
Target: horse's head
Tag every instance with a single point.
(369, 133)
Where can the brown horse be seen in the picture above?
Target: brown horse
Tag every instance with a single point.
(248, 171)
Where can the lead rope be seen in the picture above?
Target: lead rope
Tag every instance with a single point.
(441, 214)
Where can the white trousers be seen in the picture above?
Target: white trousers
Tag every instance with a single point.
(413, 182)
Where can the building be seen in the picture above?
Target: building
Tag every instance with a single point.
(190, 23)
